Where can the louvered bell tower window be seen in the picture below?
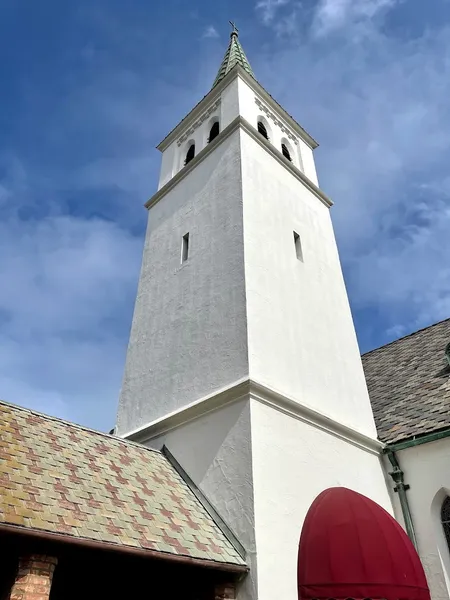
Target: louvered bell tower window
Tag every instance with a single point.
(262, 129)
(214, 132)
(190, 154)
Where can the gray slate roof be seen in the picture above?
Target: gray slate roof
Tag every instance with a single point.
(409, 384)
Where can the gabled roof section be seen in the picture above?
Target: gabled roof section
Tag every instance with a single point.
(60, 478)
(409, 384)
(234, 55)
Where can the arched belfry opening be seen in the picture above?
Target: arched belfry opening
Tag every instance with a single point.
(262, 129)
(190, 153)
(214, 131)
(351, 548)
(285, 152)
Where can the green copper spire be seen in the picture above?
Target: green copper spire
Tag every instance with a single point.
(234, 55)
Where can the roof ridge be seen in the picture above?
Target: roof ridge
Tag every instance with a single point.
(77, 426)
(406, 336)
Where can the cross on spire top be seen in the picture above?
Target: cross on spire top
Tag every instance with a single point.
(234, 55)
(235, 30)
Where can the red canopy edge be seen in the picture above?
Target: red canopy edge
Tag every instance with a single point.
(350, 547)
(363, 591)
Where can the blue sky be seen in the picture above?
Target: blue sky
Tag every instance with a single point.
(87, 91)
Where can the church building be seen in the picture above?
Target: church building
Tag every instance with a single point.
(244, 398)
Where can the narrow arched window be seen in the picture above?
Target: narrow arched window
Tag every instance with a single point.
(214, 132)
(285, 151)
(445, 519)
(262, 129)
(190, 154)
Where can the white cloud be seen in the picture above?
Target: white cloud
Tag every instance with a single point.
(69, 283)
(268, 9)
(335, 14)
(210, 32)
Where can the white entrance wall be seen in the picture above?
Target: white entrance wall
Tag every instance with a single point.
(261, 469)
(293, 462)
(427, 472)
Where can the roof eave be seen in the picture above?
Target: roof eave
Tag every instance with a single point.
(417, 440)
(210, 509)
(130, 550)
(259, 89)
(214, 93)
(199, 108)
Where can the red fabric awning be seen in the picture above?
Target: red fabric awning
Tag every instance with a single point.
(350, 547)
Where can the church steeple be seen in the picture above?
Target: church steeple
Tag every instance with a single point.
(234, 55)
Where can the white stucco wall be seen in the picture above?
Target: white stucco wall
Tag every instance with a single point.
(216, 451)
(189, 335)
(235, 99)
(223, 107)
(293, 462)
(244, 306)
(427, 471)
(250, 108)
(262, 468)
(301, 337)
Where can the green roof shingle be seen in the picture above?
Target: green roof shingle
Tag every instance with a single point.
(234, 55)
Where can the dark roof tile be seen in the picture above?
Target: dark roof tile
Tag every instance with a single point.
(409, 384)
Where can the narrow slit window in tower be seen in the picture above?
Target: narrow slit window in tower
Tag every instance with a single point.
(298, 246)
(285, 151)
(190, 154)
(262, 129)
(214, 132)
(185, 248)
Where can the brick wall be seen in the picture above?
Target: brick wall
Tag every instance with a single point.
(225, 591)
(34, 578)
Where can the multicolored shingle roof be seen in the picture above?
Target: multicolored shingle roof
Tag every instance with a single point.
(409, 384)
(60, 478)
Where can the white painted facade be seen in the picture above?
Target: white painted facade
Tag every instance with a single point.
(301, 339)
(243, 360)
(239, 97)
(426, 470)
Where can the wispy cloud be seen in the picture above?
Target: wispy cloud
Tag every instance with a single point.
(268, 9)
(334, 14)
(210, 32)
(69, 284)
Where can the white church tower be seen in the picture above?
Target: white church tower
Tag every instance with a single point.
(243, 359)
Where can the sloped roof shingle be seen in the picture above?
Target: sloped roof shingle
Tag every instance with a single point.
(234, 55)
(60, 478)
(409, 384)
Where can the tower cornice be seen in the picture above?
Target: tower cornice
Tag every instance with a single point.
(249, 389)
(213, 96)
(239, 122)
